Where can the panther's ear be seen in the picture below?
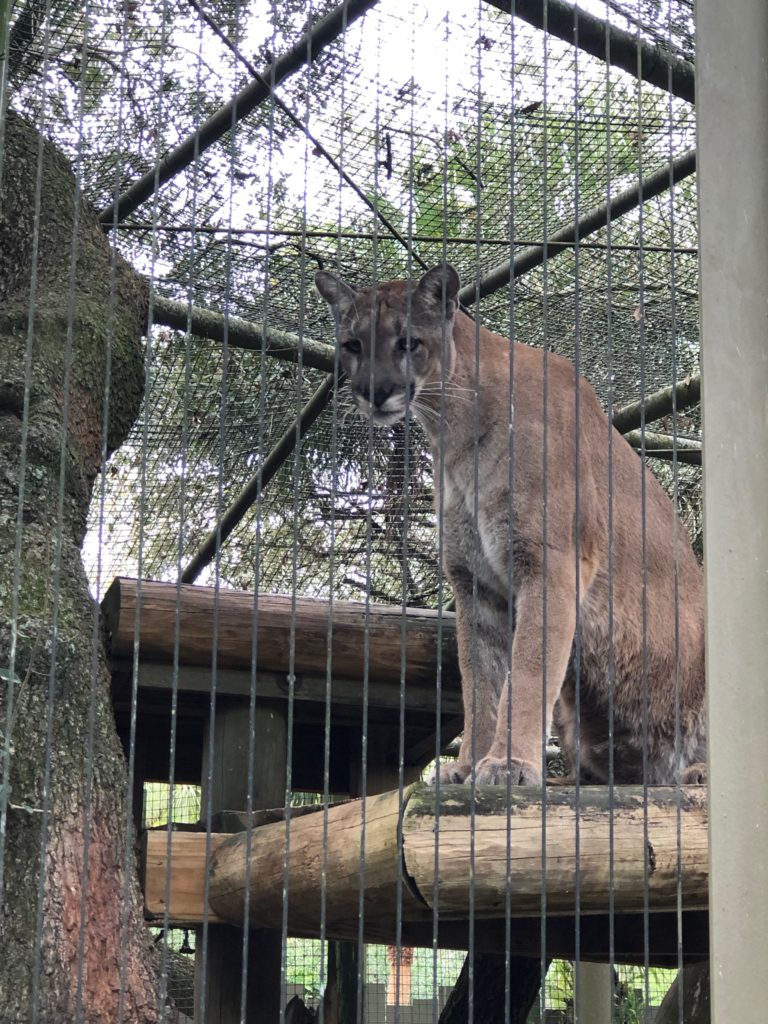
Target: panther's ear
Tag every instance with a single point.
(337, 293)
(438, 290)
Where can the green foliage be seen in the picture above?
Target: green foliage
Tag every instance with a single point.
(161, 805)
(635, 989)
(303, 966)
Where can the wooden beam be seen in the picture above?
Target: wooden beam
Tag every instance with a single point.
(630, 845)
(626, 844)
(645, 858)
(645, 854)
(307, 689)
(283, 632)
(183, 859)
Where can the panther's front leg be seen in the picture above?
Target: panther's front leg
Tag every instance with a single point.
(545, 622)
(484, 636)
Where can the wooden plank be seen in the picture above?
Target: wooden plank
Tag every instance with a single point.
(185, 864)
(346, 693)
(289, 633)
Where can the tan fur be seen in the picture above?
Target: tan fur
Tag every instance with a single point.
(511, 554)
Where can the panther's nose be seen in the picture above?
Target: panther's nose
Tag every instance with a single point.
(380, 394)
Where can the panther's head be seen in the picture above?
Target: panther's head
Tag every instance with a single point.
(395, 341)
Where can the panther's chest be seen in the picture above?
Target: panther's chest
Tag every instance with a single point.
(477, 533)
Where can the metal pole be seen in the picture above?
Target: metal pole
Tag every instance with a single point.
(595, 219)
(309, 46)
(620, 48)
(5, 22)
(681, 396)
(251, 491)
(204, 323)
(732, 96)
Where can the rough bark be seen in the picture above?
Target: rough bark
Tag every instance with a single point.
(691, 989)
(71, 931)
(489, 991)
(341, 992)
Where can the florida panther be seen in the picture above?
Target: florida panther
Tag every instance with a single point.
(542, 543)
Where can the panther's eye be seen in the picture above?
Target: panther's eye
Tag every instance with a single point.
(406, 344)
(353, 346)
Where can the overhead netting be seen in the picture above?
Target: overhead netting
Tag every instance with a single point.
(470, 133)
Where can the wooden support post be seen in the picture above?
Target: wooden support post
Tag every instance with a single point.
(220, 964)
(340, 1000)
(381, 776)
(594, 993)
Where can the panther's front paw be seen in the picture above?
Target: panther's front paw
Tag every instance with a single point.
(497, 771)
(451, 772)
(694, 775)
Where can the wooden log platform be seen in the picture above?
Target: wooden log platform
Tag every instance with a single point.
(273, 648)
(601, 850)
(279, 634)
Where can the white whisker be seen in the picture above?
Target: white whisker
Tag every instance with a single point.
(454, 398)
(424, 412)
(448, 385)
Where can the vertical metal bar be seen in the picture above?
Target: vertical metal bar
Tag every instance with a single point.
(545, 217)
(439, 476)
(5, 21)
(580, 1014)
(511, 313)
(330, 951)
(732, 92)
(610, 667)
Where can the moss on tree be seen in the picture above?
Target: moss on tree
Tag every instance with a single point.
(63, 336)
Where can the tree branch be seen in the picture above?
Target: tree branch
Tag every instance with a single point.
(23, 34)
(665, 446)
(661, 403)
(243, 334)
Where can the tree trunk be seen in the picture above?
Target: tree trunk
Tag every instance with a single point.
(691, 989)
(341, 991)
(489, 984)
(74, 946)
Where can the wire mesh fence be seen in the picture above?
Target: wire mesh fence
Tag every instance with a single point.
(276, 534)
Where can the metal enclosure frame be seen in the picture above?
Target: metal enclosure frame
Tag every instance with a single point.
(732, 96)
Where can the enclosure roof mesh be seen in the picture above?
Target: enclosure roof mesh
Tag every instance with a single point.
(470, 131)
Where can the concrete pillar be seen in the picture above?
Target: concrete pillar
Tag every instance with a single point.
(732, 100)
